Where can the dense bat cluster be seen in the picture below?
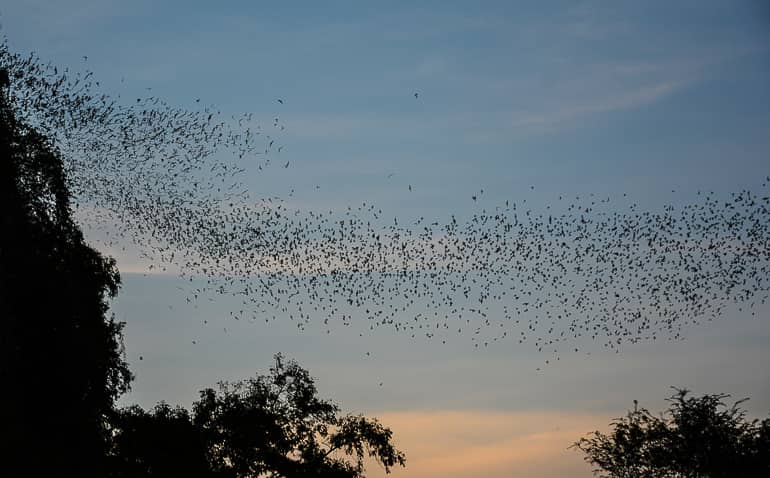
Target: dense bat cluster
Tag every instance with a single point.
(590, 268)
(123, 152)
(548, 278)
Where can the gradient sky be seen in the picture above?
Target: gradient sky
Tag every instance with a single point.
(574, 98)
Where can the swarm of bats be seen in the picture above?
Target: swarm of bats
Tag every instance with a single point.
(170, 181)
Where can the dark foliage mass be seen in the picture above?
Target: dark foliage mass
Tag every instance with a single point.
(58, 347)
(548, 275)
(61, 360)
(696, 437)
(268, 426)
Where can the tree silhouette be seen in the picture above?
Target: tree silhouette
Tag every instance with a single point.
(269, 426)
(57, 346)
(160, 442)
(62, 356)
(695, 437)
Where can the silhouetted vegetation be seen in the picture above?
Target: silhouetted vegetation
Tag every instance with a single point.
(695, 437)
(271, 425)
(61, 357)
(60, 354)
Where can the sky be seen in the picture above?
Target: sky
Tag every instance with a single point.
(656, 100)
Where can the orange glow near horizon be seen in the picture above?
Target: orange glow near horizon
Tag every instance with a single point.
(460, 444)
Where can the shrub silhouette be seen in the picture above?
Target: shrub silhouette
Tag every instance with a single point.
(695, 437)
(271, 425)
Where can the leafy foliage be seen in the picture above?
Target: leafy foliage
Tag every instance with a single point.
(696, 437)
(160, 442)
(268, 426)
(58, 347)
(57, 344)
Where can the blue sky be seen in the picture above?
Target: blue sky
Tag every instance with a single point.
(570, 97)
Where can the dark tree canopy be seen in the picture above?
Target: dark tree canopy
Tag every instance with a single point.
(696, 437)
(268, 426)
(61, 356)
(159, 442)
(58, 348)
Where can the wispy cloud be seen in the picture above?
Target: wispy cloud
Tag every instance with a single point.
(620, 101)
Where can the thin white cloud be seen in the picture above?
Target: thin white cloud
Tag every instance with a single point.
(622, 101)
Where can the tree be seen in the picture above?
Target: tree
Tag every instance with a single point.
(268, 426)
(160, 442)
(695, 437)
(58, 348)
(62, 357)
